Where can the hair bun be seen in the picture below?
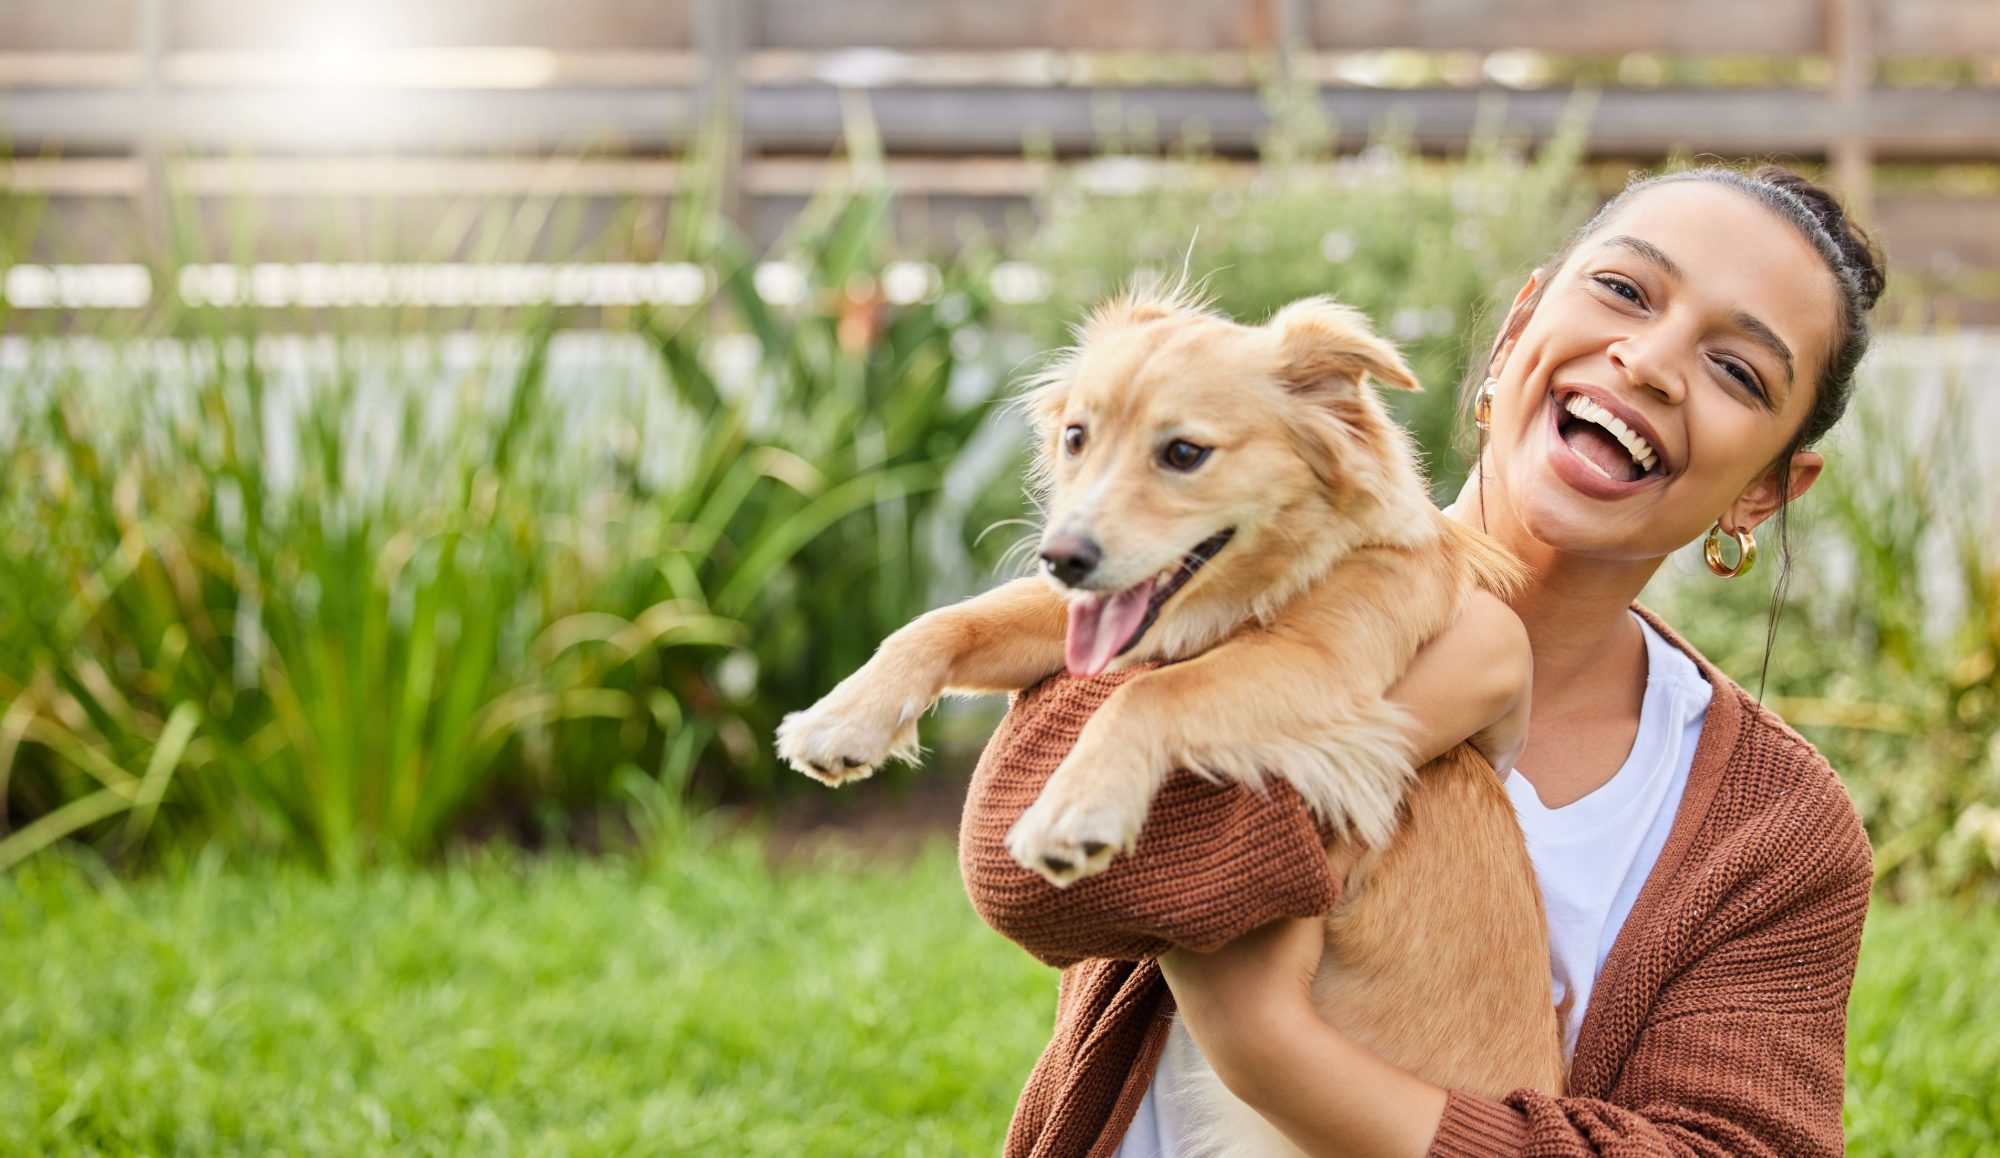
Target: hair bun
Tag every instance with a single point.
(1858, 250)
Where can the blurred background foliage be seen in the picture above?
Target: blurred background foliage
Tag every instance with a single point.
(1887, 655)
(355, 585)
(1425, 246)
(350, 594)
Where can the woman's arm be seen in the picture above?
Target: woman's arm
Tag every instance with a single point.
(1215, 860)
(1471, 681)
(1249, 1008)
(1741, 1051)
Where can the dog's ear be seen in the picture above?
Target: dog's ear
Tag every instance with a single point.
(1326, 347)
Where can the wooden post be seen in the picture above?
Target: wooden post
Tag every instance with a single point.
(1851, 49)
(722, 36)
(155, 29)
(1288, 35)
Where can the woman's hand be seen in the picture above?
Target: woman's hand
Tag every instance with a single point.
(1233, 999)
(1248, 1005)
(1472, 681)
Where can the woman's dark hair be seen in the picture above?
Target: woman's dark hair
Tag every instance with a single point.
(1850, 255)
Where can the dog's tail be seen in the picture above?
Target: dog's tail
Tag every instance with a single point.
(1492, 566)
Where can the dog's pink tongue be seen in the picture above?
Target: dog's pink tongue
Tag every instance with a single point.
(1099, 625)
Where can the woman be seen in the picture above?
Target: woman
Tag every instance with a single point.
(1663, 374)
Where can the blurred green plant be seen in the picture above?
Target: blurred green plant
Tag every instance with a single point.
(315, 583)
(347, 596)
(807, 511)
(1422, 245)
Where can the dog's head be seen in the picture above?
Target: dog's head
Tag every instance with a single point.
(1196, 473)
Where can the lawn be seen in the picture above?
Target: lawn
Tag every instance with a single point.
(694, 1002)
(696, 1005)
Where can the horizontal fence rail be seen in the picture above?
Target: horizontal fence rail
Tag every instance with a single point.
(1961, 124)
(119, 99)
(1784, 27)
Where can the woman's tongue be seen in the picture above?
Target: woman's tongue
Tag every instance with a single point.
(1100, 625)
(1603, 451)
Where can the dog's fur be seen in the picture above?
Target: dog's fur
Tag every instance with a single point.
(1281, 648)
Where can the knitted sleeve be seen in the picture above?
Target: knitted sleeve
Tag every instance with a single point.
(1213, 861)
(1742, 1050)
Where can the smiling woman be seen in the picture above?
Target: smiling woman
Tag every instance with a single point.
(1704, 873)
(1716, 353)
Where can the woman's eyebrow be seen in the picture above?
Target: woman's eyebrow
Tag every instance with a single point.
(1766, 337)
(1649, 251)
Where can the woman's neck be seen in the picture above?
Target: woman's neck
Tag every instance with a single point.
(1577, 613)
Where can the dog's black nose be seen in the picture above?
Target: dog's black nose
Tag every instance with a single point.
(1071, 558)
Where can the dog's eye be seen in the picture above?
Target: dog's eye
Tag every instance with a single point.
(1073, 439)
(1183, 455)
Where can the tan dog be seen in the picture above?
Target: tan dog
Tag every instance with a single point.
(1237, 501)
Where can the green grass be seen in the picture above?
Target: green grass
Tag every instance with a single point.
(1923, 1060)
(698, 1003)
(702, 1005)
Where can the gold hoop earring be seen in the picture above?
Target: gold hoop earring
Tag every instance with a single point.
(1482, 410)
(1746, 547)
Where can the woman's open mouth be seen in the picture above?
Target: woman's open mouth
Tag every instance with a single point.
(1596, 451)
(1105, 625)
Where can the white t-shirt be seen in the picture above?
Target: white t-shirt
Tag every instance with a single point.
(1591, 856)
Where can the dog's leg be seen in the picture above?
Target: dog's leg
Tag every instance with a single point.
(1302, 699)
(1003, 640)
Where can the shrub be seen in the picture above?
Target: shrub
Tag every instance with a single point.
(347, 594)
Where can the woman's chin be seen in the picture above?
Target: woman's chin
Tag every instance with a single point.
(1562, 518)
(1570, 525)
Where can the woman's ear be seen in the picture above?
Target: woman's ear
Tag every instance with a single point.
(1517, 319)
(1759, 501)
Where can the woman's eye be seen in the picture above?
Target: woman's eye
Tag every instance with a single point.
(1073, 439)
(1183, 455)
(1619, 286)
(1742, 374)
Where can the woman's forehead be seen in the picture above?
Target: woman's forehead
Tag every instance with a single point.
(1708, 223)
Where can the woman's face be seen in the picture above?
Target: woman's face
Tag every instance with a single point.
(1698, 321)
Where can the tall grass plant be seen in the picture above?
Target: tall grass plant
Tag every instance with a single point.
(351, 583)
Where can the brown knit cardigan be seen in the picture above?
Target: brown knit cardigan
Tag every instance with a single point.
(1717, 1026)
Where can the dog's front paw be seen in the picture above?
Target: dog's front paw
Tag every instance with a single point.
(1065, 837)
(848, 735)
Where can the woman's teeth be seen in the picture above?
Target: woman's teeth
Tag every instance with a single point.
(1640, 450)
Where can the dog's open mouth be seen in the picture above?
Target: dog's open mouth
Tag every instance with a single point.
(1105, 625)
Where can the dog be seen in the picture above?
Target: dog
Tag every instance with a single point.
(1238, 502)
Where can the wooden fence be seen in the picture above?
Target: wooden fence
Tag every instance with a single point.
(113, 98)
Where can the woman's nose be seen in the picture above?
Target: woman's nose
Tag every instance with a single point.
(1647, 365)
